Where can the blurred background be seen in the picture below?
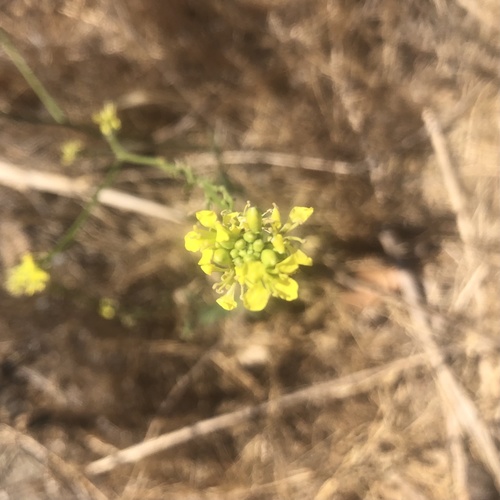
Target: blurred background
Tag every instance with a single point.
(305, 102)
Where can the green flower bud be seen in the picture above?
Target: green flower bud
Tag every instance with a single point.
(254, 219)
(240, 244)
(249, 237)
(238, 261)
(268, 257)
(234, 253)
(248, 258)
(228, 245)
(221, 258)
(258, 246)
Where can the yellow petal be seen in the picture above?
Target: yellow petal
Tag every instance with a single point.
(302, 259)
(222, 233)
(285, 288)
(289, 265)
(192, 241)
(256, 297)
(206, 261)
(199, 239)
(253, 272)
(227, 301)
(207, 218)
(298, 215)
(278, 243)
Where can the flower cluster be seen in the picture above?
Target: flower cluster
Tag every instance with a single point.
(70, 151)
(27, 278)
(251, 249)
(107, 119)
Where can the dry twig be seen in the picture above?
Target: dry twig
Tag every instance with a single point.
(451, 181)
(451, 391)
(207, 160)
(357, 383)
(23, 179)
(79, 484)
(458, 458)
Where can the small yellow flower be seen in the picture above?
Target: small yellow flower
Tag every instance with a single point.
(27, 278)
(107, 308)
(70, 151)
(253, 250)
(107, 119)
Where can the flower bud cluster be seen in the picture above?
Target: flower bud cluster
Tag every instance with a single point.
(251, 249)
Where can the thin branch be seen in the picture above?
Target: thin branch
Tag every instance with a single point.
(59, 467)
(450, 389)
(208, 160)
(23, 179)
(456, 193)
(351, 385)
(36, 85)
(458, 458)
(451, 181)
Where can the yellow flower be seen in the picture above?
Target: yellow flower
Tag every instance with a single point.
(107, 119)
(107, 308)
(27, 278)
(70, 151)
(251, 249)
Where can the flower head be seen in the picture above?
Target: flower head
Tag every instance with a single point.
(27, 278)
(70, 151)
(251, 250)
(107, 308)
(107, 119)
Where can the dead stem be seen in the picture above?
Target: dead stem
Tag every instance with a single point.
(351, 385)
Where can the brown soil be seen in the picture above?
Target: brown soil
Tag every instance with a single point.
(345, 82)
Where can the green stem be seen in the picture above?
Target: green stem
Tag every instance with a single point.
(70, 234)
(36, 85)
(216, 194)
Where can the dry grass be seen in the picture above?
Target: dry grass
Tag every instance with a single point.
(382, 382)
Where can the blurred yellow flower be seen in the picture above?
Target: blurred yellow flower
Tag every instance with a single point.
(107, 308)
(253, 250)
(107, 119)
(70, 151)
(27, 278)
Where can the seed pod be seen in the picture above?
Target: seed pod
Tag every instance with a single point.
(254, 219)
(221, 258)
(269, 258)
